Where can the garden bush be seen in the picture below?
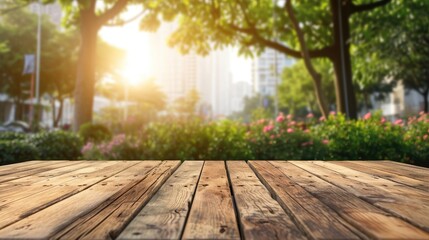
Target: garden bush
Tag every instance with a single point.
(95, 133)
(416, 140)
(9, 136)
(15, 151)
(371, 138)
(285, 139)
(335, 138)
(58, 145)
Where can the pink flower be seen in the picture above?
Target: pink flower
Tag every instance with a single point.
(272, 136)
(421, 113)
(268, 128)
(383, 120)
(322, 118)
(307, 130)
(367, 116)
(280, 118)
(304, 144)
(332, 113)
(325, 141)
(261, 121)
(398, 122)
(87, 147)
(289, 116)
(310, 115)
(290, 130)
(293, 123)
(425, 137)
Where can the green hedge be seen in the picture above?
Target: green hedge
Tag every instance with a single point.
(17, 151)
(371, 138)
(17, 147)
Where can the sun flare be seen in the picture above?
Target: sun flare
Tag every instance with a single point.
(137, 66)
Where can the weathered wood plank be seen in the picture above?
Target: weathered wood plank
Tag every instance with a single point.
(22, 187)
(41, 167)
(381, 183)
(370, 220)
(110, 218)
(59, 215)
(43, 195)
(314, 217)
(165, 214)
(18, 167)
(413, 210)
(260, 216)
(363, 167)
(401, 169)
(212, 213)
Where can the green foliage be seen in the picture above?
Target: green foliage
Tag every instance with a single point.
(188, 103)
(284, 139)
(15, 151)
(370, 139)
(417, 140)
(296, 90)
(397, 43)
(57, 145)
(193, 139)
(94, 133)
(9, 136)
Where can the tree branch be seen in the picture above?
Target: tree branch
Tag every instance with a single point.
(14, 8)
(112, 12)
(367, 7)
(317, 78)
(126, 21)
(318, 53)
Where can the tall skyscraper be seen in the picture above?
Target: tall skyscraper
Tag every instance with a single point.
(177, 74)
(264, 68)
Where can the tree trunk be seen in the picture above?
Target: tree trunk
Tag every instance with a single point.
(346, 99)
(53, 111)
(18, 109)
(317, 78)
(85, 82)
(425, 95)
(59, 113)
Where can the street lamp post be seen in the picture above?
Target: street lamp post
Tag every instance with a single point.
(38, 52)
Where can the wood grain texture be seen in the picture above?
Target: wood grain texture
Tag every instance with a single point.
(42, 194)
(313, 216)
(260, 216)
(18, 167)
(212, 213)
(28, 186)
(414, 210)
(370, 220)
(41, 167)
(363, 167)
(165, 214)
(110, 218)
(52, 219)
(401, 169)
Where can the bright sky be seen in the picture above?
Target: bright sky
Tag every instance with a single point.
(136, 44)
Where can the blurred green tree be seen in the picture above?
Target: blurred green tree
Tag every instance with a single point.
(395, 48)
(254, 25)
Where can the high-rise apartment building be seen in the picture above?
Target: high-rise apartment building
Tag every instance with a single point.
(177, 74)
(264, 68)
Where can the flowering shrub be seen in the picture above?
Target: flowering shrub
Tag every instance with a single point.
(284, 138)
(334, 138)
(371, 138)
(118, 148)
(416, 139)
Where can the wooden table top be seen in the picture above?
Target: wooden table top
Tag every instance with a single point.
(214, 200)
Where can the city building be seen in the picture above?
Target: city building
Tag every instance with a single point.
(267, 69)
(401, 102)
